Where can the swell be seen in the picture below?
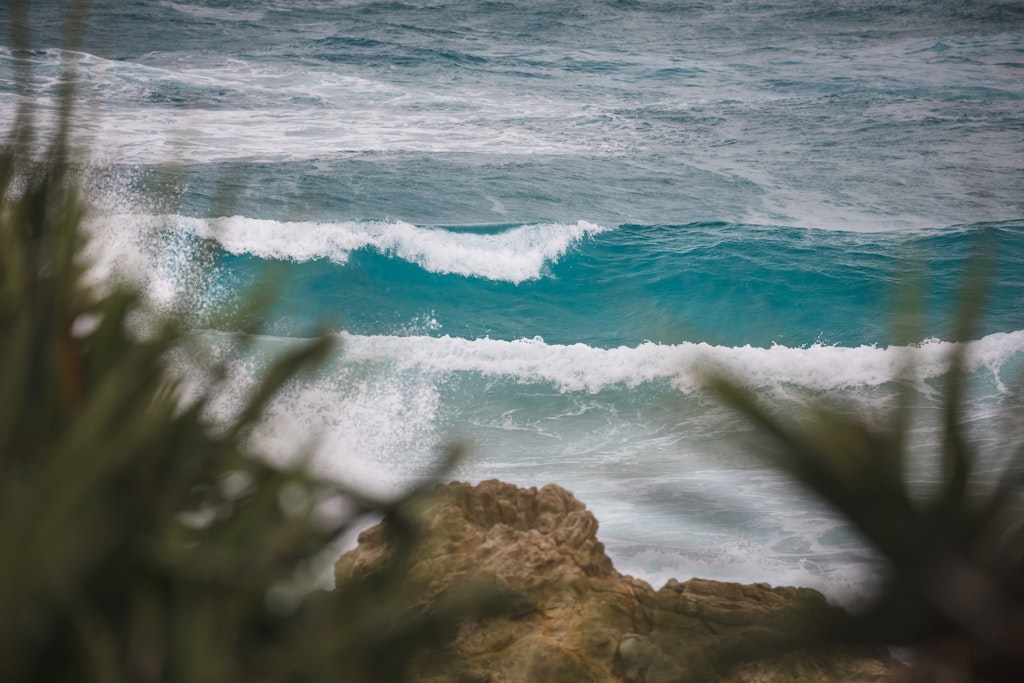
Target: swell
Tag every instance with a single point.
(721, 283)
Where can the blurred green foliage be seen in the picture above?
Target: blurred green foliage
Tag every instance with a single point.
(953, 592)
(139, 542)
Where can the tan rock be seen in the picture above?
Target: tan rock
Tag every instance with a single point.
(573, 617)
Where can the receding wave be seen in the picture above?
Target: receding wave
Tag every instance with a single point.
(515, 254)
(579, 367)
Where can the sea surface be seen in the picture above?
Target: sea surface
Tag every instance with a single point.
(535, 227)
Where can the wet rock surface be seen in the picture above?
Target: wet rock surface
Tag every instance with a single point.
(570, 616)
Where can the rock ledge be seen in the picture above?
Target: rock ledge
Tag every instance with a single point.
(574, 617)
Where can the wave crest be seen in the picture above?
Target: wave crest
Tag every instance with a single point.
(513, 255)
(579, 367)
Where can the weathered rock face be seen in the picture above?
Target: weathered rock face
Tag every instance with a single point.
(573, 616)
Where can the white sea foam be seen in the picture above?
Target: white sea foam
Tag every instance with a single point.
(727, 557)
(686, 366)
(235, 109)
(514, 255)
(375, 415)
(364, 426)
(218, 14)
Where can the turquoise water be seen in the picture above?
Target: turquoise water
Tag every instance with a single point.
(726, 284)
(536, 226)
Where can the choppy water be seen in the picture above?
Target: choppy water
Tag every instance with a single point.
(537, 224)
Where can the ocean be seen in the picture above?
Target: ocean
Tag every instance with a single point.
(535, 227)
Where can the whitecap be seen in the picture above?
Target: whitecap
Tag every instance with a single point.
(513, 255)
(687, 366)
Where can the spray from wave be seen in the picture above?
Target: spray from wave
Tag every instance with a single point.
(513, 254)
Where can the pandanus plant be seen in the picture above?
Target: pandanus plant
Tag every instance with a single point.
(953, 590)
(141, 540)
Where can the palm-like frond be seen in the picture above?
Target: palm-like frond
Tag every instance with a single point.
(955, 584)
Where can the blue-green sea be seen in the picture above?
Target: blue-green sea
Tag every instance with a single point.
(536, 226)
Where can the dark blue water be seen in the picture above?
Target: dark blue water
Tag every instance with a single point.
(537, 225)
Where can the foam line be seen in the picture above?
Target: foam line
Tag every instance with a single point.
(579, 367)
(216, 14)
(242, 109)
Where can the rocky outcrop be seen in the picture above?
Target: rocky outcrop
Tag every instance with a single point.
(570, 616)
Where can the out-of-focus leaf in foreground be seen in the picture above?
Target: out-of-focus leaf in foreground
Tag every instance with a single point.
(139, 542)
(954, 589)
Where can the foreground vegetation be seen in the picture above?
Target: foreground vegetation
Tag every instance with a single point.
(953, 591)
(140, 542)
